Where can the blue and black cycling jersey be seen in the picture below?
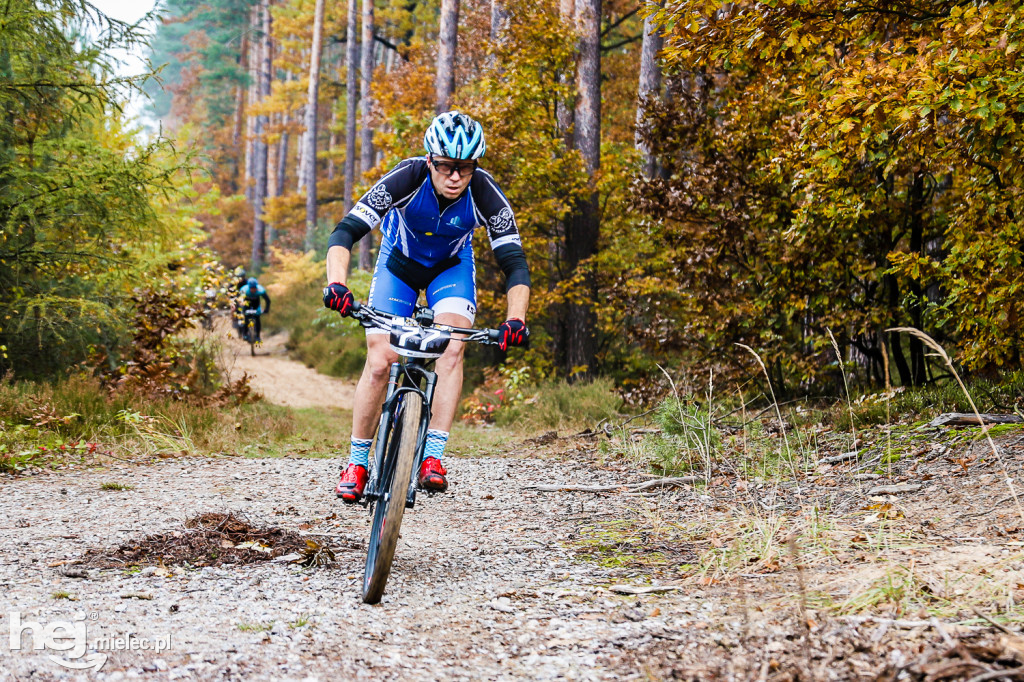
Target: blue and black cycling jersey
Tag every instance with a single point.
(424, 235)
(252, 296)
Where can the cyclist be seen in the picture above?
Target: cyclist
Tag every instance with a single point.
(237, 318)
(428, 208)
(251, 293)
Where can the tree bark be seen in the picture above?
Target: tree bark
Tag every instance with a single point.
(366, 141)
(583, 230)
(260, 150)
(351, 98)
(499, 19)
(499, 22)
(447, 45)
(564, 110)
(650, 85)
(311, 123)
(332, 142)
(236, 130)
(917, 201)
(251, 98)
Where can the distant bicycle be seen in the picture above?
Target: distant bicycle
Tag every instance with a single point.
(251, 334)
(402, 434)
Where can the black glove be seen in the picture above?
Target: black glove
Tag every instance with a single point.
(338, 297)
(511, 333)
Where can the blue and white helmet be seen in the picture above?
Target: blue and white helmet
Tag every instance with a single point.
(456, 136)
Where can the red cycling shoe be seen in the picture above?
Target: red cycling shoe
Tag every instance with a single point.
(353, 482)
(432, 475)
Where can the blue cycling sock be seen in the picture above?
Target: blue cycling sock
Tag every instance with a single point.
(436, 440)
(360, 452)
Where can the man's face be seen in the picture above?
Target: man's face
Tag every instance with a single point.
(450, 186)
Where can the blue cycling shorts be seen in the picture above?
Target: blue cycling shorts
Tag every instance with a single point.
(453, 291)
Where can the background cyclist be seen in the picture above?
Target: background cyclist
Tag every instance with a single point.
(428, 208)
(251, 293)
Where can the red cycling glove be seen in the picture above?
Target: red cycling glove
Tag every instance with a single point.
(512, 332)
(338, 297)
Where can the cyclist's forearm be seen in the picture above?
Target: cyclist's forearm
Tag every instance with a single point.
(518, 301)
(338, 258)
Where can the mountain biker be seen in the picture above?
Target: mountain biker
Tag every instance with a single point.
(237, 317)
(428, 208)
(252, 292)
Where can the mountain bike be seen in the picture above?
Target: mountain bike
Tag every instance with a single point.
(249, 334)
(402, 433)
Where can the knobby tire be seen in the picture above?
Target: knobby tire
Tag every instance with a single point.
(387, 517)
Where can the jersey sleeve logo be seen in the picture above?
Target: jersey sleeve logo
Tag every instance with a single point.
(503, 222)
(379, 198)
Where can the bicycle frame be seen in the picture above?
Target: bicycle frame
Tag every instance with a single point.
(405, 377)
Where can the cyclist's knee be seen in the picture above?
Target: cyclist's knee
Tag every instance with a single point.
(379, 357)
(452, 357)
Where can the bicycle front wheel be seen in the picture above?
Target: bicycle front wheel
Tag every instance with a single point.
(387, 518)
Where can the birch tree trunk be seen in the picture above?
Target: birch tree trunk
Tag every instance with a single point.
(311, 123)
(366, 141)
(447, 45)
(650, 85)
(583, 229)
(260, 149)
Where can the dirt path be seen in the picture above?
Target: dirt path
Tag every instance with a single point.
(280, 380)
(493, 581)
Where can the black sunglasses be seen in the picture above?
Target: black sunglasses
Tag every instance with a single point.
(447, 168)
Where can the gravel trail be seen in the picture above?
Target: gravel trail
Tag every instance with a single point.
(481, 586)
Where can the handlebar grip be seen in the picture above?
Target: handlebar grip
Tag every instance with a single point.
(493, 336)
(356, 306)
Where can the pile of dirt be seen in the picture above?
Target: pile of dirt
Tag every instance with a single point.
(214, 539)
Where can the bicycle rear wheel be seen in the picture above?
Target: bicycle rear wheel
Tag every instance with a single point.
(387, 517)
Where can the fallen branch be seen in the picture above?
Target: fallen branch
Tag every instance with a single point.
(1009, 673)
(677, 482)
(643, 589)
(895, 489)
(998, 505)
(905, 624)
(971, 419)
(835, 459)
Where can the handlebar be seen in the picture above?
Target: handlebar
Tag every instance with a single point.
(371, 317)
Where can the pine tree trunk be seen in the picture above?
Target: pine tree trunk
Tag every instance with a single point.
(564, 110)
(332, 142)
(260, 153)
(251, 98)
(311, 123)
(650, 85)
(366, 141)
(447, 45)
(351, 98)
(282, 156)
(499, 21)
(236, 130)
(584, 228)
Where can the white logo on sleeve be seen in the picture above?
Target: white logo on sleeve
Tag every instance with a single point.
(503, 222)
(379, 198)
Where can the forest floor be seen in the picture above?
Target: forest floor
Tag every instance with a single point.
(735, 577)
